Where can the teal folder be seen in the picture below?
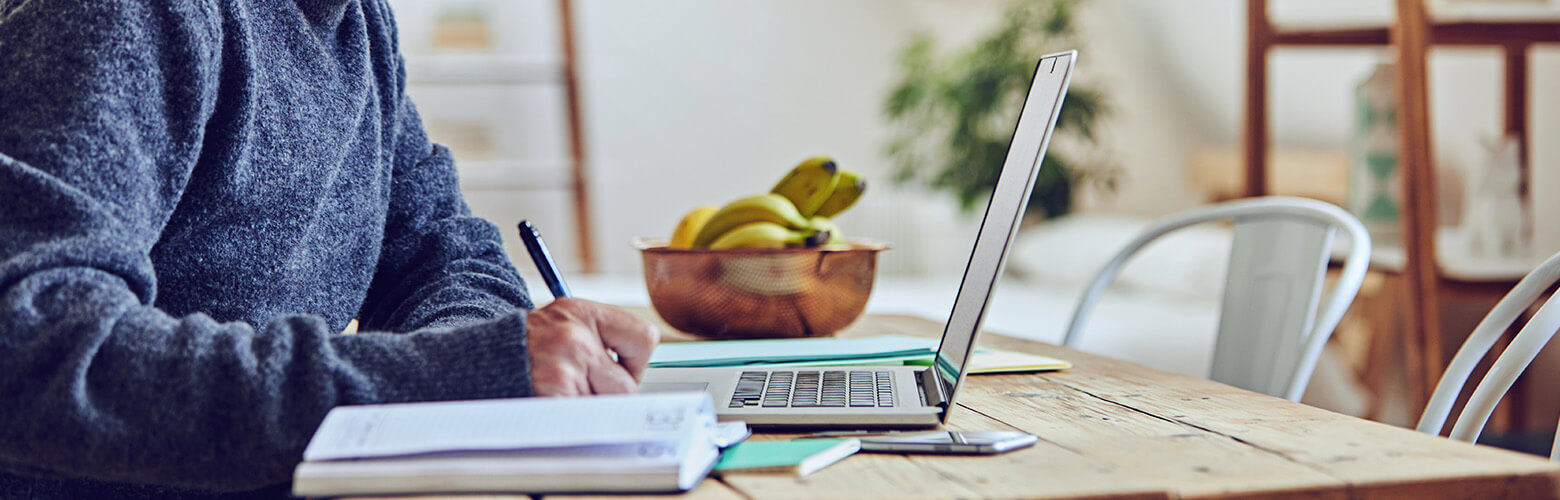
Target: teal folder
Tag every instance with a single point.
(889, 350)
(885, 349)
(799, 456)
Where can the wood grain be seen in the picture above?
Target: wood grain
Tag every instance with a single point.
(1255, 134)
(1515, 99)
(1410, 36)
(1011, 475)
(1115, 430)
(1360, 458)
(579, 178)
(1448, 33)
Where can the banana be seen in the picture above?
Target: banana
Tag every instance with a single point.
(821, 223)
(809, 183)
(689, 226)
(845, 194)
(761, 208)
(768, 235)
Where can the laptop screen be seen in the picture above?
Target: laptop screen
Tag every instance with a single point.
(1003, 212)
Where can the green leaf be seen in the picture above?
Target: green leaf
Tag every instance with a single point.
(954, 115)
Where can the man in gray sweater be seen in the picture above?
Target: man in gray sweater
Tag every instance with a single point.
(196, 197)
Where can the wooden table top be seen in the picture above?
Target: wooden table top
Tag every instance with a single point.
(1112, 429)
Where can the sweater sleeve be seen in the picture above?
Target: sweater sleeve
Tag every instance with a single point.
(102, 111)
(440, 265)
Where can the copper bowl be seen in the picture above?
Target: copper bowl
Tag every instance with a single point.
(759, 293)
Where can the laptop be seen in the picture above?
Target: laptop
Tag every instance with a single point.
(885, 397)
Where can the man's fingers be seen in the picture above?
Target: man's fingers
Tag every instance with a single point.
(630, 336)
(572, 342)
(551, 375)
(609, 378)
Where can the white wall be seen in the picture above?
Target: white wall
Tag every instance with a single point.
(701, 101)
(1544, 149)
(1151, 128)
(691, 102)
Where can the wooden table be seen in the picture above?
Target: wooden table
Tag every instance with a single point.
(1112, 429)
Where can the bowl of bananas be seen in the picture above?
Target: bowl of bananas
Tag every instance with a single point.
(772, 265)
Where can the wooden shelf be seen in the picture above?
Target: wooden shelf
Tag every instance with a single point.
(1410, 36)
(1455, 262)
(1445, 33)
(466, 69)
(1330, 36)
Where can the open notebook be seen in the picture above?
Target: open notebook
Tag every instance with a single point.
(640, 443)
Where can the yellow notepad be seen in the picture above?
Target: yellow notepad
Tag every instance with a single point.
(988, 360)
(1000, 361)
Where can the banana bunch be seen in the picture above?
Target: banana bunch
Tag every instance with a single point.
(795, 213)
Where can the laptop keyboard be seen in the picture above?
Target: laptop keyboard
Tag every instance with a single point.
(823, 388)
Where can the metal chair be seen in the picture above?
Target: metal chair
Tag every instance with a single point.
(1270, 334)
(1511, 363)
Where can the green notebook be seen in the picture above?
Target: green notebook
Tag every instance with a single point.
(799, 456)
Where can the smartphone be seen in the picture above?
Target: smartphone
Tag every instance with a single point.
(949, 442)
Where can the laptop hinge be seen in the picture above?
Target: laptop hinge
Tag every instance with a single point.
(932, 389)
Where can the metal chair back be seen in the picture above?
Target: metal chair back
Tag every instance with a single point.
(1270, 335)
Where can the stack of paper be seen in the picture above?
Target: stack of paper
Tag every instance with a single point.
(880, 350)
(643, 443)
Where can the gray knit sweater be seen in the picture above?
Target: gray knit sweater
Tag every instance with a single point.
(196, 196)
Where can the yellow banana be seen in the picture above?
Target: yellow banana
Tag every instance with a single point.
(808, 184)
(761, 208)
(767, 235)
(821, 223)
(689, 226)
(845, 194)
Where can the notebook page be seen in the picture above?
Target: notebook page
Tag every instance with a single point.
(508, 424)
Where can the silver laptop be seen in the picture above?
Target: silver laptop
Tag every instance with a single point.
(897, 396)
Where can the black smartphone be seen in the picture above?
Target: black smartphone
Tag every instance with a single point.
(949, 442)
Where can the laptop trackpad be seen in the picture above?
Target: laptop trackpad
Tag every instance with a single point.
(673, 386)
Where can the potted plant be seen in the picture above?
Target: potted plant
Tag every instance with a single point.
(955, 114)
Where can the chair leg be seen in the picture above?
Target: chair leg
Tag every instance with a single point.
(1517, 398)
(1502, 419)
(1385, 334)
(1413, 350)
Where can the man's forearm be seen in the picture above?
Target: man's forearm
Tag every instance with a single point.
(100, 386)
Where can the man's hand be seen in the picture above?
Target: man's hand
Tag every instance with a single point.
(568, 342)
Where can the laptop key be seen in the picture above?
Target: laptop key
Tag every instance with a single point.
(806, 392)
(834, 391)
(778, 392)
(750, 386)
(812, 389)
(883, 383)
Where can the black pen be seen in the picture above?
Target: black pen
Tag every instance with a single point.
(543, 259)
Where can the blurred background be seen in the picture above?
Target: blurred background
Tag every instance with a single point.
(680, 103)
